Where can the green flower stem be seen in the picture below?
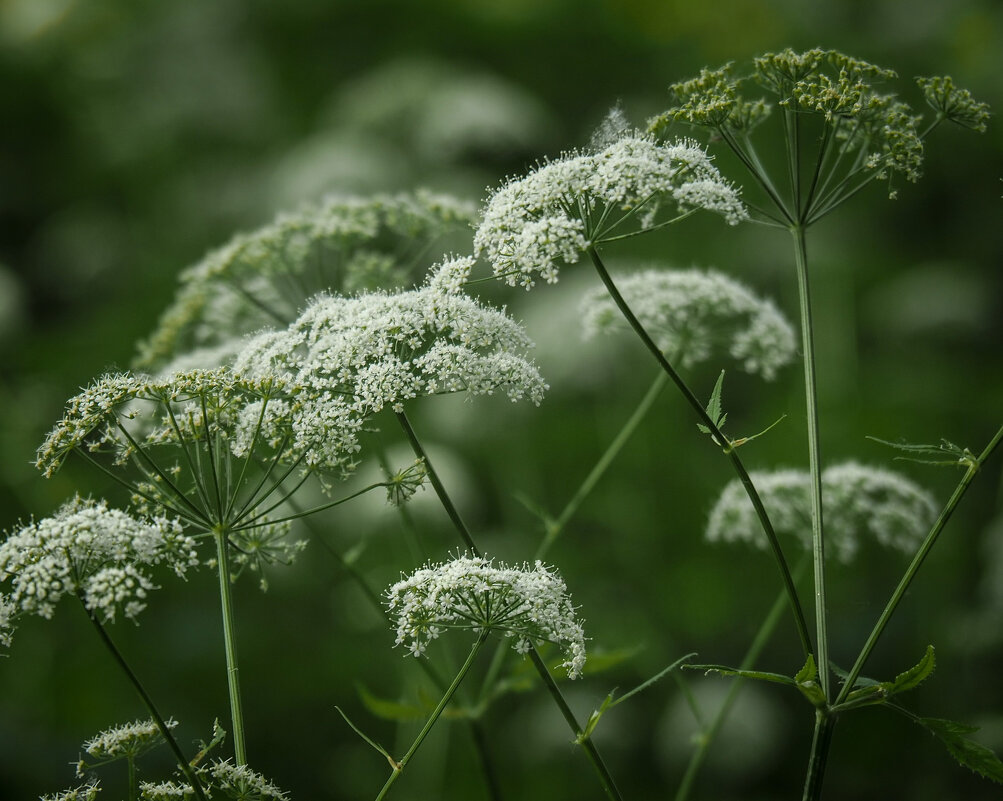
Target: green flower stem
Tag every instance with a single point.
(440, 490)
(764, 519)
(711, 731)
(556, 528)
(821, 740)
(814, 460)
(398, 767)
(590, 750)
(229, 643)
(915, 565)
(477, 736)
(172, 743)
(133, 784)
(608, 785)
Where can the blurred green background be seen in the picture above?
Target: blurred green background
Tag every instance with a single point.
(138, 135)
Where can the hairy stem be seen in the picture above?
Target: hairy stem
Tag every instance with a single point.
(230, 644)
(158, 719)
(739, 467)
(398, 768)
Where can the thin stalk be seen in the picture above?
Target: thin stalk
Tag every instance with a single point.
(605, 779)
(914, 566)
(711, 731)
(212, 460)
(133, 783)
(158, 719)
(437, 484)
(755, 169)
(590, 750)
(398, 767)
(739, 467)
(313, 510)
(821, 740)
(229, 644)
(555, 528)
(814, 460)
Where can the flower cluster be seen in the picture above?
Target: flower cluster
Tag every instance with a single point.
(128, 740)
(532, 224)
(96, 553)
(528, 604)
(954, 104)
(855, 499)
(690, 313)
(341, 244)
(354, 356)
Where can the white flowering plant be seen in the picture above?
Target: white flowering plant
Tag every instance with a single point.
(291, 357)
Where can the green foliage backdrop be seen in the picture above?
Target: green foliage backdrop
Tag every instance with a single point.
(138, 135)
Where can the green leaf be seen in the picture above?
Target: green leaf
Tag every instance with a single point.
(386, 709)
(809, 672)
(595, 717)
(714, 406)
(759, 675)
(393, 762)
(862, 681)
(970, 754)
(218, 736)
(955, 455)
(915, 675)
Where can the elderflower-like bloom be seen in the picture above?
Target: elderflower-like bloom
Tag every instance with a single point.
(165, 791)
(527, 604)
(533, 224)
(954, 104)
(127, 740)
(356, 355)
(96, 553)
(855, 499)
(690, 313)
(85, 792)
(340, 244)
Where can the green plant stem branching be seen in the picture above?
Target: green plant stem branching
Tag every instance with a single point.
(591, 752)
(915, 564)
(398, 767)
(229, 644)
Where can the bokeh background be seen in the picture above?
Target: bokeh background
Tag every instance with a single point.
(135, 136)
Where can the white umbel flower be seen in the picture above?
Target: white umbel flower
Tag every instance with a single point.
(856, 500)
(127, 740)
(354, 356)
(528, 604)
(691, 314)
(532, 225)
(98, 553)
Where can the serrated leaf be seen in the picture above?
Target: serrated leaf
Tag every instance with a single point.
(758, 675)
(595, 717)
(807, 673)
(386, 709)
(714, 405)
(970, 754)
(862, 681)
(957, 456)
(915, 675)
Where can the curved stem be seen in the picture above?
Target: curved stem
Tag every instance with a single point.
(739, 467)
(398, 767)
(158, 719)
(814, 459)
(914, 566)
(230, 645)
